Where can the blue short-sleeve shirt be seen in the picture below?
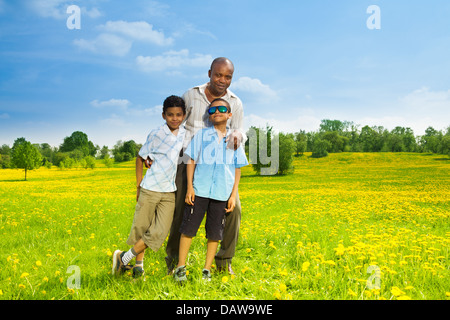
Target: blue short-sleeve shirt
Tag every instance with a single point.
(215, 164)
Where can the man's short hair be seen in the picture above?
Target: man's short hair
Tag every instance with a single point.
(174, 101)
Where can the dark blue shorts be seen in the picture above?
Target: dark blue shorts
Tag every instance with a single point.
(215, 218)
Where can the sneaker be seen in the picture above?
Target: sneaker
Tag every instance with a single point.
(180, 274)
(138, 271)
(206, 275)
(118, 267)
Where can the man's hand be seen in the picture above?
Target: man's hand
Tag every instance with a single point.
(234, 140)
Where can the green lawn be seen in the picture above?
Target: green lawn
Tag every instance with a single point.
(313, 234)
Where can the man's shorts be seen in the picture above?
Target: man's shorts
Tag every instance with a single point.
(215, 218)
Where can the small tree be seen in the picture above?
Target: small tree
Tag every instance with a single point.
(26, 156)
(320, 147)
(286, 152)
(300, 139)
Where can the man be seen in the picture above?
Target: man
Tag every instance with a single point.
(197, 100)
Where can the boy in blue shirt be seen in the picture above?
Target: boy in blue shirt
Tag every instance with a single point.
(156, 192)
(213, 174)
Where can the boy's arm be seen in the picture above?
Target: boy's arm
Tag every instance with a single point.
(190, 194)
(232, 199)
(139, 169)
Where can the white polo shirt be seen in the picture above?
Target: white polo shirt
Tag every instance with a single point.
(163, 147)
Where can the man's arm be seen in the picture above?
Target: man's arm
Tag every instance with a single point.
(237, 135)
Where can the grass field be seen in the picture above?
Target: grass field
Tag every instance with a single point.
(348, 226)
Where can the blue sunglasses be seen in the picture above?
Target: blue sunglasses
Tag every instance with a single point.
(222, 109)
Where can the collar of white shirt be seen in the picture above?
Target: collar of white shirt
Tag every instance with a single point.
(167, 130)
(202, 89)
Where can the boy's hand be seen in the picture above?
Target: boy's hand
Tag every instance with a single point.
(190, 196)
(231, 204)
(148, 162)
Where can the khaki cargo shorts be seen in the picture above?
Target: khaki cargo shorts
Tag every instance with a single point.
(152, 218)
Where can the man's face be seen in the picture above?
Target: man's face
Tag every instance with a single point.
(220, 78)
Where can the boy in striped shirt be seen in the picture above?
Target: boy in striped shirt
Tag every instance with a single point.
(156, 191)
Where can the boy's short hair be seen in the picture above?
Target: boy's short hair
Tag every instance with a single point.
(174, 101)
(223, 100)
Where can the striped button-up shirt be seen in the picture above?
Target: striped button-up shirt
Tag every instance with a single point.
(197, 116)
(163, 147)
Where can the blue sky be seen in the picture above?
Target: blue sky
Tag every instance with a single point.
(296, 63)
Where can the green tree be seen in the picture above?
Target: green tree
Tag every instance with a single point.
(125, 151)
(431, 140)
(78, 141)
(300, 140)
(286, 152)
(5, 156)
(26, 156)
(337, 143)
(320, 147)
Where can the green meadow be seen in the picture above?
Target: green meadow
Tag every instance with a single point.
(351, 226)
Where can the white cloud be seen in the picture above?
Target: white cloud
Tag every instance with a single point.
(105, 44)
(117, 38)
(425, 99)
(57, 9)
(255, 87)
(93, 13)
(293, 124)
(112, 103)
(138, 31)
(50, 8)
(173, 59)
(114, 121)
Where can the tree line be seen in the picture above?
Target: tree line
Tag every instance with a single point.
(76, 151)
(333, 136)
(336, 136)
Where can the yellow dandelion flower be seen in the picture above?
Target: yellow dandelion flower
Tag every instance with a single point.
(283, 272)
(352, 293)
(25, 274)
(305, 266)
(397, 292)
(21, 286)
(224, 279)
(283, 287)
(340, 250)
(38, 263)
